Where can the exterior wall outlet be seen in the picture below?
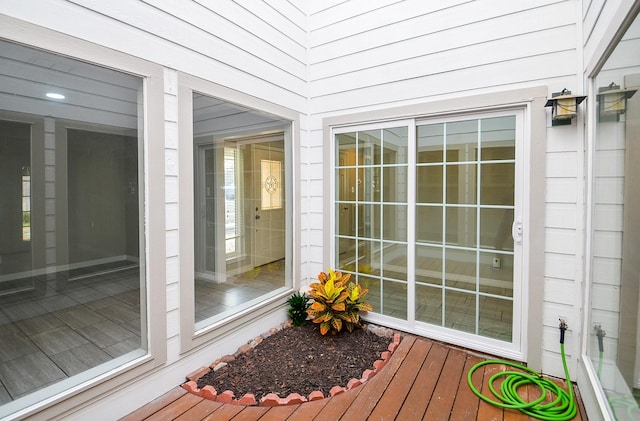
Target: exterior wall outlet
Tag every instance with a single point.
(497, 264)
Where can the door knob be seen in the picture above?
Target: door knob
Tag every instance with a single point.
(257, 216)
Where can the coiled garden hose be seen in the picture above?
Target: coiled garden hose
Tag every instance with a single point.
(562, 408)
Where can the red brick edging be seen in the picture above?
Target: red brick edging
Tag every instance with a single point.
(272, 399)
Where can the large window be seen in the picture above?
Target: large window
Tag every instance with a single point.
(614, 310)
(241, 252)
(72, 291)
(426, 219)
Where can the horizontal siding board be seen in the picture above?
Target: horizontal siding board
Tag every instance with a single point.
(562, 164)
(606, 270)
(366, 13)
(488, 77)
(561, 241)
(289, 11)
(607, 244)
(200, 40)
(609, 190)
(405, 20)
(117, 35)
(605, 297)
(561, 215)
(607, 217)
(561, 190)
(591, 15)
(59, 68)
(264, 20)
(535, 44)
(560, 266)
(559, 291)
(262, 41)
(609, 163)
(317, 7)
(387, 46)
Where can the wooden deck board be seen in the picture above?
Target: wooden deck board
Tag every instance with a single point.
(391, 401)
(251, 413)
(419, 396)
(443, 396)
(465, 406)
(365, 403)
(155, 405)
(308, 411)
(422, 380)
(199, 411)
(177, 408)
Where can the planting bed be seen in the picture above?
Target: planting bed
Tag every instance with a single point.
(294, 360)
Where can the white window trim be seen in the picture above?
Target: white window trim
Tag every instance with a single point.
(154, 239)
(190, 338)
(531, 102)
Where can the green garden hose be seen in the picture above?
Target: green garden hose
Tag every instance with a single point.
(563, 406)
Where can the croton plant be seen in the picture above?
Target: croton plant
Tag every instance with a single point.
(337, 302)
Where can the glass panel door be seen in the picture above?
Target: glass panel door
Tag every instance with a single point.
(424, 213)
(371, 214)
(465, 181)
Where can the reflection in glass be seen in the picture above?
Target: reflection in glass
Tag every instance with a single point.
(461, 184)
(429, 184)
(429, 224)
(429, 265)
(371, 206)
(495, 228)
(72, 274)
(496, 318)
(497, 184)
(461, 226)
(496, 274)
(477, 253)
(395, 222)
(240, 194)
(461, 137)
(394, 264)
(460, 269)
(460, 309)
(430, 143)
(614, 310)
(429, 304)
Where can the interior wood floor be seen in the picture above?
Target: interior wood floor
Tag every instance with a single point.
(423, 380)
(62, 324)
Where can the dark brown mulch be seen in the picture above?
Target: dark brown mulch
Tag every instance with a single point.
(299, 360)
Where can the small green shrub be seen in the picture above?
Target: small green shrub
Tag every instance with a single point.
(298, 305)
(337, 302)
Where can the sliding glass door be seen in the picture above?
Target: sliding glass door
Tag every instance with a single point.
(426, 217)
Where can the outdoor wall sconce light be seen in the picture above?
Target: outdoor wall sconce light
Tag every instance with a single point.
(612, 101)
(563, 107)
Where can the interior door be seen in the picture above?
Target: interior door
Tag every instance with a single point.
(268, 202)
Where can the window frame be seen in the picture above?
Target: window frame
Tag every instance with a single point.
(152, 109)
(531, 102)
(623, 15)
(190, 337)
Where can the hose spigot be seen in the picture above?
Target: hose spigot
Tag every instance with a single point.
(600, 333)
(563, 328)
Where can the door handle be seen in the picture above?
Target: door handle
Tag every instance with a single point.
(516, 231)
(257, 216)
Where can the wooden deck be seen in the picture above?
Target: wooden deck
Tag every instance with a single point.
(422, 380)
